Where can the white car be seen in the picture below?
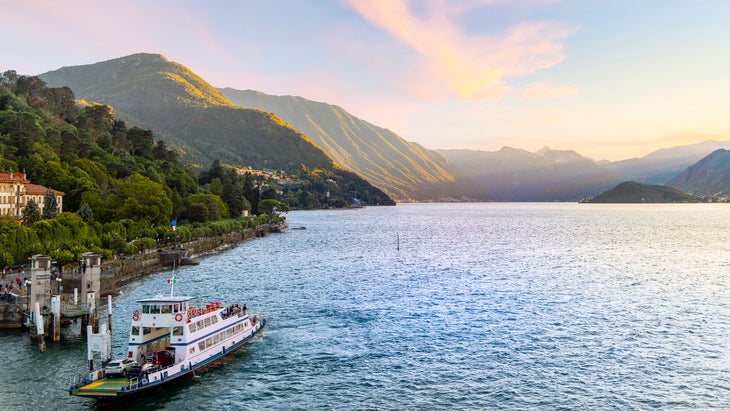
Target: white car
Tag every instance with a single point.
(119, 367)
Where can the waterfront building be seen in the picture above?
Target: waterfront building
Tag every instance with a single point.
(15, 192)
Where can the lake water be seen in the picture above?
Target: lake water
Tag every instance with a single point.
(448, 306)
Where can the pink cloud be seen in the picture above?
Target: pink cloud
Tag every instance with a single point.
(473, 67)
(539, 90)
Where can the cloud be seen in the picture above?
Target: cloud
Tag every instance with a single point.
(539, 90)
(472, 66)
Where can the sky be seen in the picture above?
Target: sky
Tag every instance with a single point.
(610, 79)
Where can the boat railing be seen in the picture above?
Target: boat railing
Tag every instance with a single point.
(133, 383)
(214, 306)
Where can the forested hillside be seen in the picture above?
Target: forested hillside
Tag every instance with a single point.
(405, 170)
(149, 91)
(123, 187)
(708, 178)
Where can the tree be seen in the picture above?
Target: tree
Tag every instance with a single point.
(50, 205)
(31, 213)
(141, 142)
(144, 199)
(85, 212)
(272, 207)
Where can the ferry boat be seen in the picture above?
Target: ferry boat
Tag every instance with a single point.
(171, 338)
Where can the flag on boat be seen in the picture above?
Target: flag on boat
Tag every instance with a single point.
(173, 223)
(172, 280)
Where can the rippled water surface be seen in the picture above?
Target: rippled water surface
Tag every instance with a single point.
(458, 306)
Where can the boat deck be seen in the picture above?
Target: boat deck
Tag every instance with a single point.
(104, 387)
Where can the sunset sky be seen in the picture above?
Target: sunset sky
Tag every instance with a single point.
(611, 79)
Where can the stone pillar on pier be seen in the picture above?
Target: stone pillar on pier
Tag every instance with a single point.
(90, 278)
(40, 281)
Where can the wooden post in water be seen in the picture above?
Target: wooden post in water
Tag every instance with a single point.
(39, 326)
(55, 323)
(109, 310)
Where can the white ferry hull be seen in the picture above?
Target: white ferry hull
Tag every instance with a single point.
(195, 348)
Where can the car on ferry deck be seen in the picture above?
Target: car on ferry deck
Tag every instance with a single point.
(119, 367)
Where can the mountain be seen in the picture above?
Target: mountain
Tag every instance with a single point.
(551, 175)
(633, 192)
(662, 165)
(709, 177)
(149, 91)
(512, 174)
(404, 170)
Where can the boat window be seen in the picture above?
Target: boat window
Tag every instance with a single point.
(192, 327)
(146, 330)
(229, 332)
(176, 308)
(135, 330)
(155, 309)
(214, 320)
(200, 324)
(166, 309)
(209, 342)
(207, 321)
(192, 350)
(145, 309)
(177, 331)
(201, 345)
(216, 339)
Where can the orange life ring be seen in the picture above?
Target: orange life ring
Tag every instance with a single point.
(135, 315)
(178, 317)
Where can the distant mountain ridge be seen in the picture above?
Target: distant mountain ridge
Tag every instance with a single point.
(405, 170)
(149, 91)
(709, 177)
(556, 175)
(512, 174)
(206, 123)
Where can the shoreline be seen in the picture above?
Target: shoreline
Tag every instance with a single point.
(125, 270)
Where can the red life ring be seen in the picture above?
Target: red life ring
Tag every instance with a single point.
(135, 315)
(99, 375)
(178, 317)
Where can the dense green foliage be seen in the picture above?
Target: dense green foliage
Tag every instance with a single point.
(121, 187)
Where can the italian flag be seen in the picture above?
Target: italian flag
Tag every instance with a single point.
(172, 280)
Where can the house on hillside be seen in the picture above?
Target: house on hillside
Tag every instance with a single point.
(16, 191)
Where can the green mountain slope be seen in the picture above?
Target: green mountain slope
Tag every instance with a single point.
(148, 91)
(405, 170)
(709, 177)
(633, 192)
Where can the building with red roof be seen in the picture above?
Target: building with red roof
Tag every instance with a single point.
(16, 191)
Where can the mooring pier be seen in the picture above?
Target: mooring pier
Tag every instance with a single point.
(41, 309)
